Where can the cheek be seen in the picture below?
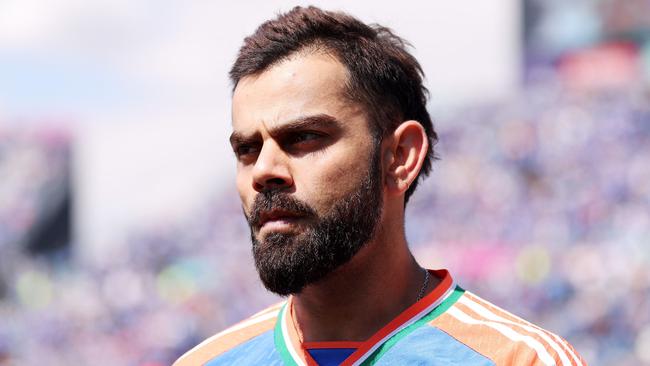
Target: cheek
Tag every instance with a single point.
(328, 181)
(337, 177)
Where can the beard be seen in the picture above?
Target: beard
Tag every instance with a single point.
(287, 262)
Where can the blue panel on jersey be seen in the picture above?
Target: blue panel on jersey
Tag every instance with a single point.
(431, 346)
(257, 351)
(330, 356)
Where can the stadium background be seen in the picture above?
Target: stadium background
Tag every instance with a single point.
(121, 236)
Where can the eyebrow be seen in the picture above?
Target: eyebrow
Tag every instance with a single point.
(321, 120)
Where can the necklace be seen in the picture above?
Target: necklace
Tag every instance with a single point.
(424, 285)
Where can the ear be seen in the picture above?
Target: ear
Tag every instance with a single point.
(406, 152)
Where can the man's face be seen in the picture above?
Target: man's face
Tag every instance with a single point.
(308, 171)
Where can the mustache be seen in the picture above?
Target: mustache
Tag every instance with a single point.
(276, 200)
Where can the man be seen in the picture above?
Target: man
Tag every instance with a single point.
(331, 136)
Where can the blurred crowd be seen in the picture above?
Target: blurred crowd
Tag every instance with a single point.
(540, 204)
(543, 206)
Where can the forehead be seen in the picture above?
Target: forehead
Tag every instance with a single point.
(303, 84)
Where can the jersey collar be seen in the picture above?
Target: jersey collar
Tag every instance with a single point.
(293, 353)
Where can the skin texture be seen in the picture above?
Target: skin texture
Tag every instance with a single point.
(293, 130)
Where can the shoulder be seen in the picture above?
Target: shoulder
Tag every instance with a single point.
(504, 338)
(236, 335)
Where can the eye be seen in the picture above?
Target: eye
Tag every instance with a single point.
(243, 151)
(303, 137)
(301, 142)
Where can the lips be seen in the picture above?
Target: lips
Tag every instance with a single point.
(277, 211)
(277, 216)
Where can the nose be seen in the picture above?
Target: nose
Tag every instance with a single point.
(271, 170)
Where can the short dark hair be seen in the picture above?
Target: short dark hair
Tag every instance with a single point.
(383, 76)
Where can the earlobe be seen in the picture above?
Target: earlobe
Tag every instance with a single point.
(408, 149)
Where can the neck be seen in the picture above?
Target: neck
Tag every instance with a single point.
(360, 297)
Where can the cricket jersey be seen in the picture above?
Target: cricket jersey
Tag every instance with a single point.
(448, 326)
